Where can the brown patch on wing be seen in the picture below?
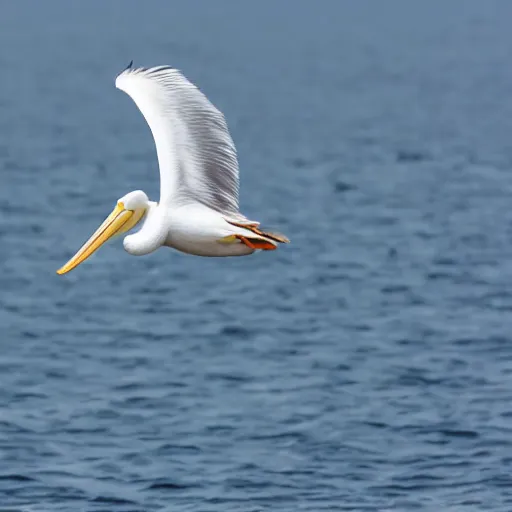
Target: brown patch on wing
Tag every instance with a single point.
(254, 228)
(256, 243)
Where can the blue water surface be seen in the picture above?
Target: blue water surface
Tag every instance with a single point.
(366, 367)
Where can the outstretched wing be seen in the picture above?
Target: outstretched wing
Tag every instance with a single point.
(196, 155)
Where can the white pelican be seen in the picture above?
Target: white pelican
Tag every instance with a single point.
(198, 210)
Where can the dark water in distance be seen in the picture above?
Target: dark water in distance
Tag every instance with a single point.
(367, 366)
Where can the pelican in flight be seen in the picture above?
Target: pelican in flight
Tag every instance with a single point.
(198, 211)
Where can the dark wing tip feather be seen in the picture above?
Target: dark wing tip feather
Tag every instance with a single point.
(158, 69)
(151, 71)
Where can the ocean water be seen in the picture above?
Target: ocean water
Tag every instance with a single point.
(367, 366)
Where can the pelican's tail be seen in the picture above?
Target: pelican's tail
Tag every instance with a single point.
(264, 240)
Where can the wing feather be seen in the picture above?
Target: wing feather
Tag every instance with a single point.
(196, 154)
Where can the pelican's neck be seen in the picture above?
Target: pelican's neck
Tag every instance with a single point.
(151, 234)
(148, 213)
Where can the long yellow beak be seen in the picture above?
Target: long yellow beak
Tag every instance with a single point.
(112, 225)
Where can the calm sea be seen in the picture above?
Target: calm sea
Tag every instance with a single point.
(365, 367)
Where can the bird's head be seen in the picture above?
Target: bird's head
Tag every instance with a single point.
(128, 212)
